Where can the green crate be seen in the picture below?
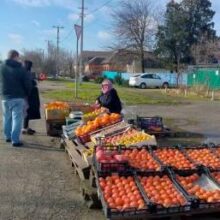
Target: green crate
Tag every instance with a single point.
(70, 121)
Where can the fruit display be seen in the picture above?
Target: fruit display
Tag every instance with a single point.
(131, 137)
(92, 115)
(174, 158)
(205, 157)
(216, 176)
(97, 123)
(155, 128)
(217, 151)
(141, 159)
(57, 105)
(110, 131)
(104, 156)
(56, 110)
(161, 191)
(110, 160)
(88, 154)
(194, 189)
(121, 193)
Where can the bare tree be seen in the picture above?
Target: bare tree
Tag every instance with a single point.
(134, 26)
(37, 57)
(205, 51)
(67, 61)
(47, 62)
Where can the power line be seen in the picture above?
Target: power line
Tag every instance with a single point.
(97, 9)
(92, 12)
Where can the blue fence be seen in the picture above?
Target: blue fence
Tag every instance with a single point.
(171, 78)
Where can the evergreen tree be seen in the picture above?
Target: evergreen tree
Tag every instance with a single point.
(199, 23)
(171, 36)
(185, 25)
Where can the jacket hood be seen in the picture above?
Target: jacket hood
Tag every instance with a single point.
(12, 63)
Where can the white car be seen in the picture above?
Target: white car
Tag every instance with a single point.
(149, 80)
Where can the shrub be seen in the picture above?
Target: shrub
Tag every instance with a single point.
(85, 79)
(99, 79)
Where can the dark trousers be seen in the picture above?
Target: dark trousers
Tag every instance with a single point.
(26, 123)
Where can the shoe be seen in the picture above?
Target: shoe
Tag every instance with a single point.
(19, 144)
(24, 131)
(30, 131)
(8, 140)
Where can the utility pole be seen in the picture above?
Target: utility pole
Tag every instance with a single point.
(48, 47)
(58, 42)
(81, 45)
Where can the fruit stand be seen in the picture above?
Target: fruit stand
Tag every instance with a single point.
(124, 171)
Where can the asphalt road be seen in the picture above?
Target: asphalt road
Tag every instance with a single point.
(37, 181)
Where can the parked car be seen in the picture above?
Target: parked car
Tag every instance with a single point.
(147, 80)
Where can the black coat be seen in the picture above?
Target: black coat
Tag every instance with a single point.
(111, 101)
(33, 111)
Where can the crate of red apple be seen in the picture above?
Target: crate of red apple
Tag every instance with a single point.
(124, 159)
(110, 160)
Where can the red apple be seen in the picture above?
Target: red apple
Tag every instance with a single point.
(120, 158)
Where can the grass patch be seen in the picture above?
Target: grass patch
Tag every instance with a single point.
(88, 92)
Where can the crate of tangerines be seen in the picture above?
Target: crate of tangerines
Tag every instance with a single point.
(56, 110)
(121, 197)
(83, 132)
(141, 196)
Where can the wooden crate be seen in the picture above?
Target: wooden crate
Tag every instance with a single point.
(75, 152)
(54, 127)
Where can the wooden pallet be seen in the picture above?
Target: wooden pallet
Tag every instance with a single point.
(74, 151)
(87, 177)
(90, 195)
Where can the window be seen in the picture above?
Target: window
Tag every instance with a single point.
(147, 76)
(156, 76)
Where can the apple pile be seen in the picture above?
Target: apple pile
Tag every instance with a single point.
(110, 159)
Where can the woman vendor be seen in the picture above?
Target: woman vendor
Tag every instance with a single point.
(109, 98)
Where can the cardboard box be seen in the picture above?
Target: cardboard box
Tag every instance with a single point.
(56, 114)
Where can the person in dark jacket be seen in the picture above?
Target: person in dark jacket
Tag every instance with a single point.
(15, 87)
(33, 101)
(109, 98)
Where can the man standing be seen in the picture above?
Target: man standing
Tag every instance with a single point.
(15, 87)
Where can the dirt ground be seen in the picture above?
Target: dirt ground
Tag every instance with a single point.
(37, 181)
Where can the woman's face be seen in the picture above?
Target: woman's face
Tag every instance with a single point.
(106, 87)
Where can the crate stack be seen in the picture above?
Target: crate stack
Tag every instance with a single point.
(135, 178)
(55, 114)
(149, 181)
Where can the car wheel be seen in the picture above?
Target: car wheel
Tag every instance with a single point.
(165, 85)
(143, 86)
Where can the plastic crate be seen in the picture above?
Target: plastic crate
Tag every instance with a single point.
(120, 167)
(158, 209)
(200, 203)
(199, 164)
(165, 165)
(144, 170)
(54, 127)
(150, 123)
(126, 167)
(112, 213)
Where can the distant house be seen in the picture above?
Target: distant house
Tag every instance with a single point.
(92, 61)
(95, 62)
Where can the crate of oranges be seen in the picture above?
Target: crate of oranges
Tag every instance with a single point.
(165, 194)
(121, 197)
(56, 110)
(104, 120)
